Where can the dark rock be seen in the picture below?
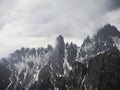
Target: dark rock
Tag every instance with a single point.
(104, 72)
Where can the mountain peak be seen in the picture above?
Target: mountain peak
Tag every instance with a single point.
(60, 41)
(107, 25)
(60, 38)
(108, 30)
(108, 37)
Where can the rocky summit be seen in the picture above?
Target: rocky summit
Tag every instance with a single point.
(93, 66)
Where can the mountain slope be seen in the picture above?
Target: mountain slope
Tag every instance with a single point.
(64, 67)
(104, 72)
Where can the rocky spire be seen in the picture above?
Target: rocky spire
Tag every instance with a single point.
(60, 46)
(58, 55)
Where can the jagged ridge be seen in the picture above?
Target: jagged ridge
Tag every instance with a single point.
(63, 67)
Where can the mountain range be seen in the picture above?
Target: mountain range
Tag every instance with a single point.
(93, 66)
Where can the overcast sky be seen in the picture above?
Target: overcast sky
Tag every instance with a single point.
(36, 23)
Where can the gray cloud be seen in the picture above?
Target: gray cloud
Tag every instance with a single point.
(37, 22)
(115, 4)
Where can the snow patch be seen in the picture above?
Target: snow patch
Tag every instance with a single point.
(78, 55)
(66, 65)
(29, 64)
(116, 41)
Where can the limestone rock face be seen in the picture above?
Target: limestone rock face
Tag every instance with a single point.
(93, 66)
(104, 72)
